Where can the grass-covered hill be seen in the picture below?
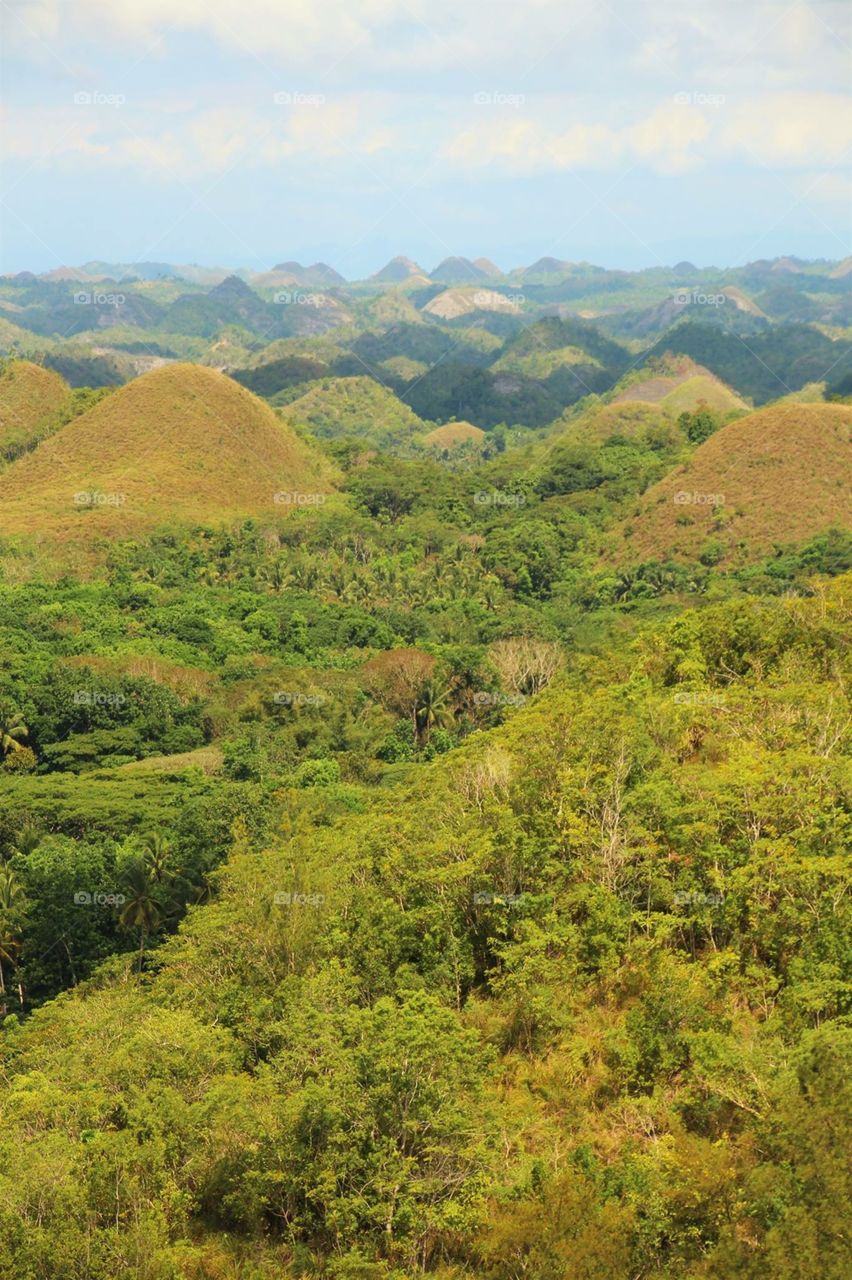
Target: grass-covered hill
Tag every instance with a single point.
(766, 365)
(433, 882)
(453, 436)
(514, 349)
(569, 1003)
(29, 395)
(624, 419)
(180, 445)
(779, 475)
(360, 408)
(679, 385)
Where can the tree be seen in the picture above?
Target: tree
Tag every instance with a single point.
(12, 915)
(157, 855)
(13, 731)
(432, 709)
(396, 677)
(699, 425)
(524, 664)
(141, 910)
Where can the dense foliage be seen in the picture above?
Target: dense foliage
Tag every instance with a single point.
(571, 1004)
(408, 883)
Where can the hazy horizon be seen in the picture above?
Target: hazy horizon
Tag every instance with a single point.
(629, 136)
(327, 255)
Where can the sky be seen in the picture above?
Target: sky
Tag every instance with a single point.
(243, 133)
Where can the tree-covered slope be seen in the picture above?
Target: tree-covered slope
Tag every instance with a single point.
(572, 1005)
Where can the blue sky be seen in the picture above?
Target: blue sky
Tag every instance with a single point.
(246, 132)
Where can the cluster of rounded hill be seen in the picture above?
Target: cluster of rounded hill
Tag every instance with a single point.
(185, 445)
(180, 446)
(775, 477)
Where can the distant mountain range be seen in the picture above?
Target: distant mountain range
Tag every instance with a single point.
(453, 270)
(463, 343)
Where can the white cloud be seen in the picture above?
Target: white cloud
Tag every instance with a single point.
(794, 44)
(667, 139)
(663, 141)
(192, 144)
(791, 129)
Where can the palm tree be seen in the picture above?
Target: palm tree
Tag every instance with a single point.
(141, 909)
(157, 855)
(13, 731)
(624, 585)
(12, 910)
(274, 573)
(431, 709)
(27, 838)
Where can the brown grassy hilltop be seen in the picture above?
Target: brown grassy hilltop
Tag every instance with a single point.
(629, 419)
(681, 385)
(28, 395)
(180, 445)
(454, 434)
(781, 475)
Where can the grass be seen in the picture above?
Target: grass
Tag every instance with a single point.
(680, 385)
(630, 419)
(181, 445)
(780, 475)
(359, 407)
(29, 394)
(454, 434)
